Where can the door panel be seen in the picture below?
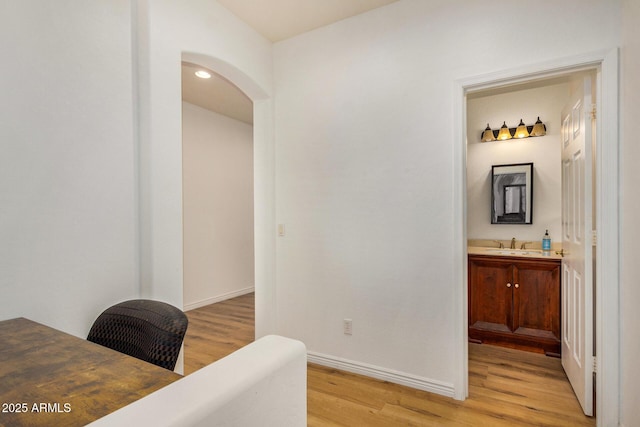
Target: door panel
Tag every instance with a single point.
(577, 296)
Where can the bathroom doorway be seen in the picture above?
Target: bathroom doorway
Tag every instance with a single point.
(605, 306)
(537, 304)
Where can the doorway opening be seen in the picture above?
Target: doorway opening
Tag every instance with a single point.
(218, 194)
(530, 310)
(606, 185)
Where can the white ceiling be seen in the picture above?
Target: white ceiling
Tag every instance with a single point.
(276, 20)
(281, 19)
(216, 94)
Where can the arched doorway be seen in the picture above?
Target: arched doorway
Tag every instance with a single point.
(263, 189)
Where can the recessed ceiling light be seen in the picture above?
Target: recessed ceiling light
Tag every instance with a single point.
(203, 74)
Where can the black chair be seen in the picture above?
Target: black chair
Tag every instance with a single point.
(149, 330)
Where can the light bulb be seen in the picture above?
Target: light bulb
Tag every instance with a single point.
(487, 135)
(521, 131)
(203, 74)
(504, 132)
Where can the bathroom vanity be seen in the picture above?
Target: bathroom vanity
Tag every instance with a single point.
(514, 298)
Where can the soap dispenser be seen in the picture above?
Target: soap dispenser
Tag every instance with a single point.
(546, 241)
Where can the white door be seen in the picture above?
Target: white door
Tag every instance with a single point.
(577, 241)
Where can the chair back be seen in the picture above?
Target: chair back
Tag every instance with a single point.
(152, 331)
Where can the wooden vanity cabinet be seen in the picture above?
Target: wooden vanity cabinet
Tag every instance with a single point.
(515, 302)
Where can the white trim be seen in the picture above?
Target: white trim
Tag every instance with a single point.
(461, 345)
(218, 298)
(396, 377)
(607, 191)
(607, 252)
(533, 72)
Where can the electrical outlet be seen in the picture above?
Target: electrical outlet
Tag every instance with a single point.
(348, 326)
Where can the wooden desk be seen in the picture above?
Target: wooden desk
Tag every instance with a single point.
(59, 379)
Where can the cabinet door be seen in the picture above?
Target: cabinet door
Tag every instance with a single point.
(490, 295)
(536, 298)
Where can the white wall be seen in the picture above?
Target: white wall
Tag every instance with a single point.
(203, 32)
(217, 158)
(364, 182)
(68, 211)
(74, 179)
(544, 152)
(630, 206)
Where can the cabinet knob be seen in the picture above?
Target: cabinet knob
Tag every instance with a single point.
(517, 286)
(508, 285)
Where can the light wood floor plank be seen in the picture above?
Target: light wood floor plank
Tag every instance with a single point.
(217, 330)
(506, 387)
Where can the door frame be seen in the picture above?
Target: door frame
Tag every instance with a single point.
(607, 222)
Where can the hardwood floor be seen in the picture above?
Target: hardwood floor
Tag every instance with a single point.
(218, 330)
(506, 387)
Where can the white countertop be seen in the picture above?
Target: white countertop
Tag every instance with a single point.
(519, 253)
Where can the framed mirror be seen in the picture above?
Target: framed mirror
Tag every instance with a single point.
(512, 194)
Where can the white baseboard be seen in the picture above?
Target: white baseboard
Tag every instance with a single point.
(219, 298)
(413, 381)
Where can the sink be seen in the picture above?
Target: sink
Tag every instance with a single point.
(515, 251)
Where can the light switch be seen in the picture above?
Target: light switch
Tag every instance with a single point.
(280, 229)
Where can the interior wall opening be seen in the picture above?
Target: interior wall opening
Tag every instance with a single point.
(525, 101)
(218, 193)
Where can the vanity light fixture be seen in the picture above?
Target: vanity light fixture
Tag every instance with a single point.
(521, 131)
(203, 74)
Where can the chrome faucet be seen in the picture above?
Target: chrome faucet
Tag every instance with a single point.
(513, 243)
